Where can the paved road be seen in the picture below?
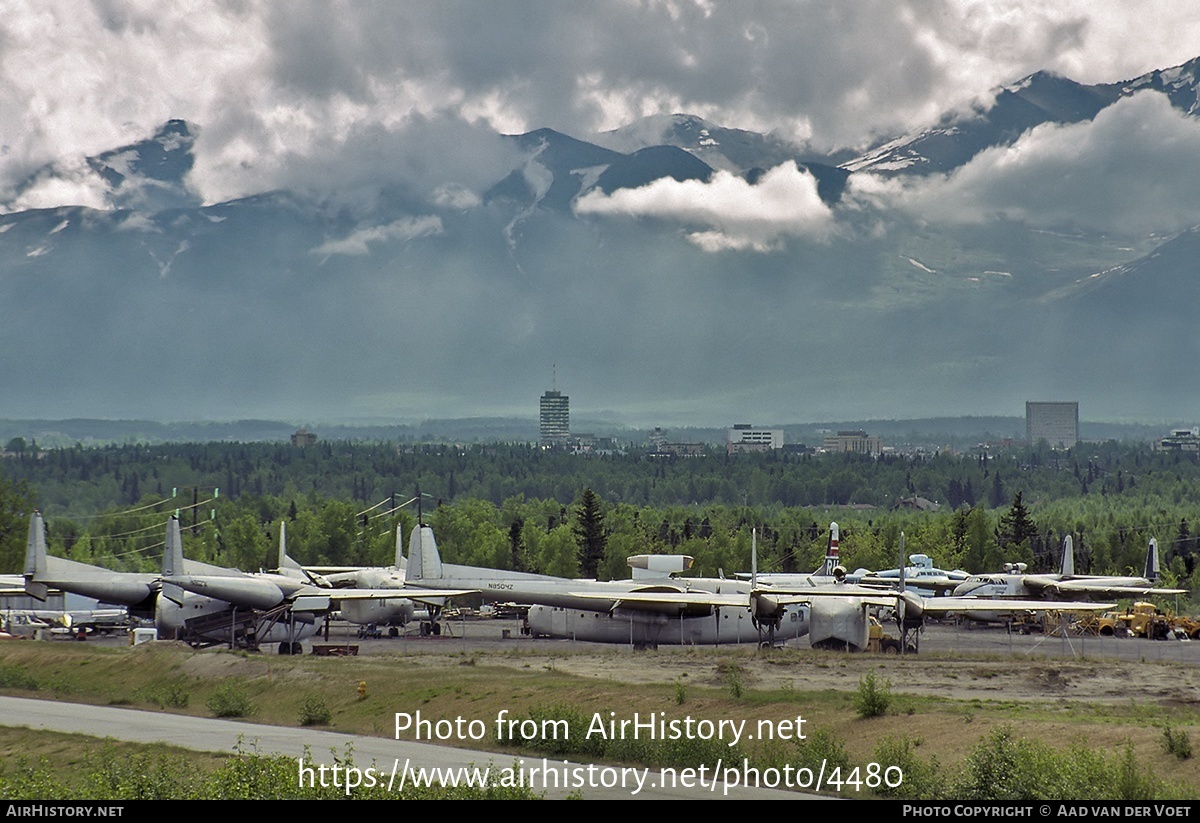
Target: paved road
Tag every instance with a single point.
(207, 734)
(479, 635)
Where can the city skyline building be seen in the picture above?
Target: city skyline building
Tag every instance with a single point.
(854, 441)
(1055, 422)
(744, 437)
(554, 419)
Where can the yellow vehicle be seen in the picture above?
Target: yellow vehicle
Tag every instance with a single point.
(879, 641)
(1143, 620)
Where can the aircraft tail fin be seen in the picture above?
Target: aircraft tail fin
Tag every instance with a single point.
(424, 562)
(1068, 557)
(1152, 569)
(35, 557)
(35, 549)
(286, 564)
(832, 559)
(173, 561)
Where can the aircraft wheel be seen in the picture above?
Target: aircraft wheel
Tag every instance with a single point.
(437, 629)
(297, 648)
(285, 648)
(393, 632)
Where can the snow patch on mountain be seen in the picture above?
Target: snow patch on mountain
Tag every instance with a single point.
(358, 242)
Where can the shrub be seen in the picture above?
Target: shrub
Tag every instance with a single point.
(734, 681)
(315, 712)
(873, 696)
(171, 695)
(923, 779)
(1177, 742)
(230, 700)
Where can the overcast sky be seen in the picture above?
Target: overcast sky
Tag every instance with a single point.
(342, 98)
(280, 90)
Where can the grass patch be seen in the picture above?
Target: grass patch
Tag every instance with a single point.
(443, 688)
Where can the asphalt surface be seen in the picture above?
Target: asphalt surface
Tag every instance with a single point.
(480, 635)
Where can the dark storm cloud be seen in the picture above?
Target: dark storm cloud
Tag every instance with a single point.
(270, 83)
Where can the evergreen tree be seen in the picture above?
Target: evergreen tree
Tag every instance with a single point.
(589, 532)
(1016, 526)
(997, 497)
(16, 504)
(516, 544)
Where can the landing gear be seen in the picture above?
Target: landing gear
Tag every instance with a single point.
(771, 626)
(285, 648)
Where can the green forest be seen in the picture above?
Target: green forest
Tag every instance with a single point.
(517, 506)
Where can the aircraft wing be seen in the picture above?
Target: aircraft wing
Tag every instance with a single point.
(948, 605)
(938, 583)
(1096, 587)
(689, 603)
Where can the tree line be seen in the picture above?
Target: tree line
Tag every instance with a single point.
(514, 506)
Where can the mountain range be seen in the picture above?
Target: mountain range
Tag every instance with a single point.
(673, 271)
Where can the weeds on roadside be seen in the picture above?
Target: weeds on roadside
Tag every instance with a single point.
(873, 696)
(734, 681)
(315, 711)
(1177, 742)
(230, 700)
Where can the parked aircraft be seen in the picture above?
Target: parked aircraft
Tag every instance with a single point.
(76, 622)
(921, 576)
(43, 572)
(1015, 583)
(393, 613)
(193, 616)
(830, 570)
(599, 611)
(302, 601)
(839, 612)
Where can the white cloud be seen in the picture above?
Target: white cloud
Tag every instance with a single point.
(273, 85)
(1131, 170)
(738, 215)
(65, 184)
(407, 228)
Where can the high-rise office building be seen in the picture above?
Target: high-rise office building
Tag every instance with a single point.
(1056, 423)
(554, 419)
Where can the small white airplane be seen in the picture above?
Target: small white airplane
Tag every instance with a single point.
(921, 576)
